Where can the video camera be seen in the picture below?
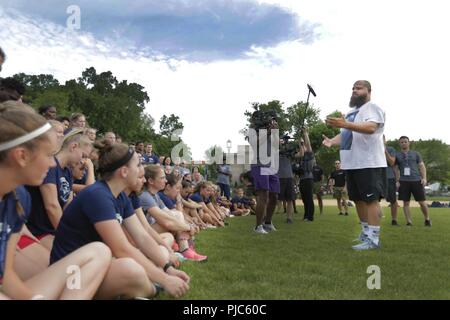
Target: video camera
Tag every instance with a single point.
(288, 148)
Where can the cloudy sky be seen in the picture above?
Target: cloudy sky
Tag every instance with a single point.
(206, 60)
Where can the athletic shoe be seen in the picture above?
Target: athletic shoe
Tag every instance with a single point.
(190, 254)
(427, 223)
(366, 245)
(395, 223)
(289, 221)
(409, 224)
(361, 238)
(341, 214)
(260, 229)
(346, 213)
(269, 227)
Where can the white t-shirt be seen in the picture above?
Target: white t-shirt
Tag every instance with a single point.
(359, 150)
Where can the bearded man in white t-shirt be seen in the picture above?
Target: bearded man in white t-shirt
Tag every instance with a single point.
(362, 153)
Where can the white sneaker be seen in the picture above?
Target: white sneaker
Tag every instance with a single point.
(269, 227)
(366, 245)
(260, 229)
(362, 237)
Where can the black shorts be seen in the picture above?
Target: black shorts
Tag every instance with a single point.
(411, 187)
(366, 185)
(391, 191)
(287, 192)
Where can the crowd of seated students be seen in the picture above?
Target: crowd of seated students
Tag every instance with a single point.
(126, 217)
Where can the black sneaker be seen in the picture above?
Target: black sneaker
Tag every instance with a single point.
(341, 214)
(409, 224)
(346, 213)
(427, 223)
(395, 223)
(289, 221)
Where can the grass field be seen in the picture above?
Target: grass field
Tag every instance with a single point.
(315, 260)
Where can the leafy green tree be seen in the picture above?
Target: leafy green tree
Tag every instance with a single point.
(167, 125)
(109, 105)
(213, 155)
(300, 115)
(283, 121)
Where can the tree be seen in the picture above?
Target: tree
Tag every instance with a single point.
(277, 106)
(167, 125)
(213, 156)
(109, 105)
(301, 115)
(36, 84)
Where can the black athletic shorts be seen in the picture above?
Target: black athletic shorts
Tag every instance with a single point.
(366, 185)
(287, 192)
(411, 187)
(391, 193)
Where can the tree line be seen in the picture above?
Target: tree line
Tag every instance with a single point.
(107, 103)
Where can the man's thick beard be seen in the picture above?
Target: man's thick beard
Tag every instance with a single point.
(357, 101)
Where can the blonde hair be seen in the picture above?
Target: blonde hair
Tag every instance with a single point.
(75, 136)
(16, 120)
(202, 185)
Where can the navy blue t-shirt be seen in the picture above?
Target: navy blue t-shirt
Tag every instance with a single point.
(135, 201)
(170, 203)
(39, 223)
(196, 197)
(10, 221)
(152, 159)
(93, 204)
(236, 200)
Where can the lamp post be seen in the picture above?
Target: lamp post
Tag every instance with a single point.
(229, 145)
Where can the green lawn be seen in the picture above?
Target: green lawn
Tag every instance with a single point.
(315, 260)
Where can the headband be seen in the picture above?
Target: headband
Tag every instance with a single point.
(25, 138)
(119, 163)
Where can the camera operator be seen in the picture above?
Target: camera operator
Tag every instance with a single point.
(306, 176)
(286, 176)
(265, 178)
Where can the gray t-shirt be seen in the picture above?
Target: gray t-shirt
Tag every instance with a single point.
(408, 164)
(307, 166)
(221, 177)
(149, 200)
(390, 170)
(285, 169)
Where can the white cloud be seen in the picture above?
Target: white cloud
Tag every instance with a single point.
(400, 46)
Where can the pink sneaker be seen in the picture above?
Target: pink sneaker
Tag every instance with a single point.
(190, 254)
